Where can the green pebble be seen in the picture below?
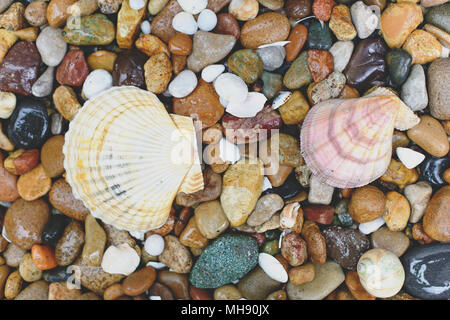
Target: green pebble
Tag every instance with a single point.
(319, 37)
(246, 64)
(399, 65)
(273, 82)
(298, 74)
(271, 247)
(95, 29)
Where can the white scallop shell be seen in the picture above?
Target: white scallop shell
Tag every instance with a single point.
(126, 158)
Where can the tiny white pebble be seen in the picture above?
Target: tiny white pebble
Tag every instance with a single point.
(154, 245)
(183, 84)
(371, 226)
(155, 297)
(146, 27)
(137, 4)
(207, 20)
(211, 72)
(184, 22)
(193, 6)
(409, 157)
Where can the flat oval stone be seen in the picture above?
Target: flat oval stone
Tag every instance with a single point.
(266, 28)
(29, 124)
(439, 95)
(394, 241)
(427, 268)
(96, 29)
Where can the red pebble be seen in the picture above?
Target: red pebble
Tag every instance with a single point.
(73, 70)
(320, 214)
(320, 64)
(322, 9)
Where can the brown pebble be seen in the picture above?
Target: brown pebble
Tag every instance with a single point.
(366, 204)
(139, 281)
(52, 157)
(61, 197)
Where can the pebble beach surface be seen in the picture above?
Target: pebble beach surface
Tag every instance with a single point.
(285, 226)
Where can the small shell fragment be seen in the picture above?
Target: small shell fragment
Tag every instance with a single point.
(275, 44)
(280, 99)
(288, 216)
(272, 267)
(253, 104)
(409, 157)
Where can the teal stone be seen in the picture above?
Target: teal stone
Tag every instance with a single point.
(298, 74)
(439, 16)
(345, 219)
(227, 259)
(399, 66)
(273, 82)
(319, 37)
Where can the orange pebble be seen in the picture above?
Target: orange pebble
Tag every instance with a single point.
(180, 44)
(297, 39)
(347, 192)
(43, 257)
(447, 175)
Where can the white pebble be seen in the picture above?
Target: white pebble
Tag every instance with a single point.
(146, 27)
(409, 157)
(137, 4)
(154, 245)
(155, 265)
(342, 52)
(272, 267)
(207, 20)
(184, 22)
(364, 19)
(8, 102)
(371, 226)
(266, 184)
(120, 260)
(193, 6)
(223, 102)
(211, 72)
(231, 87)
(97, 81)
(183, 84)
(228, 151)
(253, 104)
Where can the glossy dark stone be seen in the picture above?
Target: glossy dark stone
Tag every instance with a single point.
(367, 66)
(319, 37)
(427, 271)
(20, 67)
(345, 245)
(432, 170)
(54, 229)
(399, 65)
(129, 69)
(58, 274)
(290, 188)
(29, 124)
(297, 9)
(272, 234)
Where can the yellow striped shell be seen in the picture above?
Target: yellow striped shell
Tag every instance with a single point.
(126, 158)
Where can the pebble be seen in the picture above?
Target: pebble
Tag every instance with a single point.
(265, 208)
(439, 97)
(120, 259)
(298, 9)
(438, 15)
(345, 245)
(394, 241)
(302, 274)
(66, 102)
(44, 84)
(95, 240)
(320, 64)
(35, 13)
(341, 23)
(354, 285)
(34, 184)
(43, 257)
(176, 282)
(8, 184)
(244, 10)
(371, 226)
(227, 292)
(257, 285)
(128, 68)
(430, 135)
(227, 259)
(266, 28)
(57, 12)
(294, 249)
(193, 6)
(158, 71)
(184, 22)
(397, 211)
(243, 180)
(210, 219)
(272, 267)
(328, 88)
(36, 291)
(155, 6)
(94, 278)
(437, 214)
(418, 195)
(60, 291)
(96, 82)
(73, 70)
(409, 157)
(227, 24)
(272, 84)
(381, 273)
(13, 285)
(54, 228)
(183, 84)
(151, 45)
(272, 57)
(399, 64)
(52, 157)
(28, 271)
(231, 87)
(294, 110)
(425, 267)
(341, 51)
(298, 74)
(366, 204)
(146, 27)
(70, 244)
(297, 39)
(211, 72)
(51, 46)
(137, 4)
(19, 69)
(13, 18)
(191, 236)
(328, 277)
(246, 64)
(365, 20)
(202, 104)
(414, 89)
(207, 20)
(13, 255)
(25, 221)
(433, 170)
(209, 48)
(139, 281)
(7, 104)
(398, 20)
(319, 192)
(95, 29)
(423, 47)
(176, 256)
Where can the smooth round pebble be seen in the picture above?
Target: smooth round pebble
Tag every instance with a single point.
(211, 72)
(51, 46)
(154, 245)
(146, 27)
(97, 81)
(272, 267)
(184, 22)
(231, 87)
(137, 4)
(120, 260)
(193, 6)
(207, 20)
(183, 84)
